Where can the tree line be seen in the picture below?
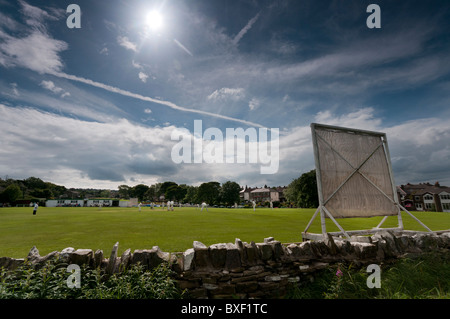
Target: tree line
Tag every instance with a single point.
(301, 192)
(32, 188)
(210, 192)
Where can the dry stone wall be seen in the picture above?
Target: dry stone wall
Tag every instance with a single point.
(249, 270)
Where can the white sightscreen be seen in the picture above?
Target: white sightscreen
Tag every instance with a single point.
(353, 172)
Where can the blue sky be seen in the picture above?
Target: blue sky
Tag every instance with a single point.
(96, 106)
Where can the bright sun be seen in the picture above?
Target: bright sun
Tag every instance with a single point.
(154, 20)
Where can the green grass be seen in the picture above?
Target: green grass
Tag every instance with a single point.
(57, 228)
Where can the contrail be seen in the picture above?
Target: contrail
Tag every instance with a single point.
(149, 99)
(244, 30)
(182, 47)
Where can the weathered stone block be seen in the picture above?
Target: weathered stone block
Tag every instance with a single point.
(246, 287)
(82, 257)
(98, 258)
(272, 278)
(292, 251)
(319, 248)
(218, 255)
(332, 247)
(189, 283)
(125, 259)
(270, 285)
(112, 259)
(188, 259)
(210, 286)
(199, 245)
(33, 256)
(157, 257)
(140, 256)
(233, 257)
(64, 255)
(10, 263)
(277, 248)
(251, 252)
(265, 251)
(50, 257)
(201, 256)
(365, 251)
(240, 246)
(305, 250)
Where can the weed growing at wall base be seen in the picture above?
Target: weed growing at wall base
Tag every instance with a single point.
(423, 277)
(50, 282)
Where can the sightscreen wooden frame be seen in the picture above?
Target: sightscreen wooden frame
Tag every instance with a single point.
(354, 178)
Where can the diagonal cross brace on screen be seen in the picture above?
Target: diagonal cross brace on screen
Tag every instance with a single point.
(354, 178)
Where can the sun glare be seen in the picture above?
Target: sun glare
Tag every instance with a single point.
(154, 20)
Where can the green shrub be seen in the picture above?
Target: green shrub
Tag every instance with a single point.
(50, 282)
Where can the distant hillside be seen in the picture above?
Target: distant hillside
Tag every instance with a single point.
(33, 188)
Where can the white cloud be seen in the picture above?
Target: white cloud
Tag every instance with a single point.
(41, 144)
(14, 89)
(123, 41)
(148, 111)
(253, 104)
(37, 52)
(361, 118)
(82, 104)
(35, 49)
(49, 85)
(9, 23)
(137, 65)
(55, 149)
(143, 77)
(227, 93)
(35, 17)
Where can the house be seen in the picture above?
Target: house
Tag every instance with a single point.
(425, 197)
(244, 194)
(64, 203)
(263, 194)
(82, 202)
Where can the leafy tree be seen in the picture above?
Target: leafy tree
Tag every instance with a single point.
(42, 193)
(124, 191)
(56, 190)
(175, 192)
(191, 195)
(152, 192)
(11, 193)
(181, 193)
(34, 182)
(209, 192)
(164, 186)
(230, 193)
(139, 191)
(302, 191)
(106, 193)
